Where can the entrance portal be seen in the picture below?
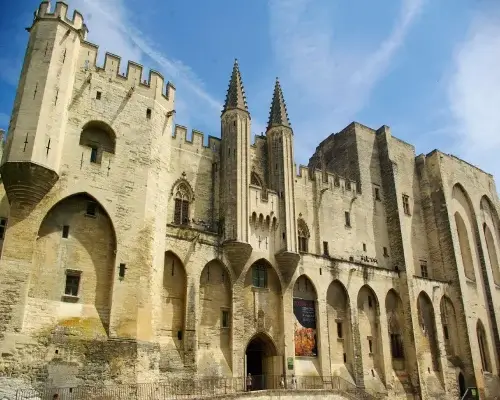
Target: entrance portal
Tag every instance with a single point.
(262, 362)
(461, 384)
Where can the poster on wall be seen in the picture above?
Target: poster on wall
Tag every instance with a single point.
(305, 327)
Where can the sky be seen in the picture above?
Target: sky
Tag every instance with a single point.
(429, 69)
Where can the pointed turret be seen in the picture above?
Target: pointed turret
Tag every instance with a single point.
(235, 98)
(278, 116)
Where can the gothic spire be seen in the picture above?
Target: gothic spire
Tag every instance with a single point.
(278, 116)
(235, 98)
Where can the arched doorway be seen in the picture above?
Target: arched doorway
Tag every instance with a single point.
(261, 361)
(461, 384)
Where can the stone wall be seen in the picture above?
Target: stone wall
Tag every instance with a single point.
(190, 254)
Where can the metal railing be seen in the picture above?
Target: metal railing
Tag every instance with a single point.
(197, 388)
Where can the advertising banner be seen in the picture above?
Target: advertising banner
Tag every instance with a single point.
(305, 327)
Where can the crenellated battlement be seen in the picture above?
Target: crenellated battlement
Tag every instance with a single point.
(197, 141)
(325, 180)
(132, 78)
(60, 12)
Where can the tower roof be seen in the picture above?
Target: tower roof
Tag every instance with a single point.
(235, 98)
(278, 116)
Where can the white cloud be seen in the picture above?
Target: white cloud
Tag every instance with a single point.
(474, 93)
(110, 28)
(335, 81)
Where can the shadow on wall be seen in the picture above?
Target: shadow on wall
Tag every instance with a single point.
(76, 235)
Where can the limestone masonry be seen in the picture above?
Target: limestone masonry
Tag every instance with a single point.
(131, 255)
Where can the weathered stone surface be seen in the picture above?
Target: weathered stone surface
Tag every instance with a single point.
(186, 254)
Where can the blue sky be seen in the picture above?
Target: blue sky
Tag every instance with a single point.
(430, 69)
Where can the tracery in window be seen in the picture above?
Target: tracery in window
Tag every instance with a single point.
(182, 199)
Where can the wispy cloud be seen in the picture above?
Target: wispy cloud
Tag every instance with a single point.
(335, 81)
(474, 92)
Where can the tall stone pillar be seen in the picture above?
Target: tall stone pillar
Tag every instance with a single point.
(191, 331)
(356, 345)
(322, 337)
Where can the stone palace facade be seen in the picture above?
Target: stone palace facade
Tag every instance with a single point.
(131, 254)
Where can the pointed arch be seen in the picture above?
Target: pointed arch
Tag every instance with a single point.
(304, 286)
(483, 346)
(491, 229)
(427, 323)
(303, 235)
(340, 330)
(370, 332)
(465, 248)
(183, 195)
(173, 304)
(256, 180)
(450, 327)
(215, 322)
(395, 323)
(79, 227)
(304, 310)
(263, 285)
(466, 226)
(100, 137)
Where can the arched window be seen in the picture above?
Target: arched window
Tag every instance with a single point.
(255, 180)
(303, 234)
(182, 201)
(100, 137)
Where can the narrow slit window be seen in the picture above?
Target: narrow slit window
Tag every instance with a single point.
(98, 95)
(148, 113)
(370, 345)
(406, 204)
(339, 330)
(65, 231)
(386, 252)
(325, 249)
(348, 219)
(225, 318)
(93, 155)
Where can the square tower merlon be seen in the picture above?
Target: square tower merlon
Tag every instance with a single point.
(132, 80)
(61, 13)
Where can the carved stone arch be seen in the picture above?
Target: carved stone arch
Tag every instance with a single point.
(227, 269)
(263, 262)
(450, 327)
(467, 230)
(300, 286)
(100, 137)
(370, 333)
(491, 230)
(339, 326)
(215, 319)
(484, 350)
(183, 189)
(256, 180)
(427, 323)
(171, 323)
(183, 197)
(85, 274)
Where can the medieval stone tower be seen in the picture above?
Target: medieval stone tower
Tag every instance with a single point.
(138, 258)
